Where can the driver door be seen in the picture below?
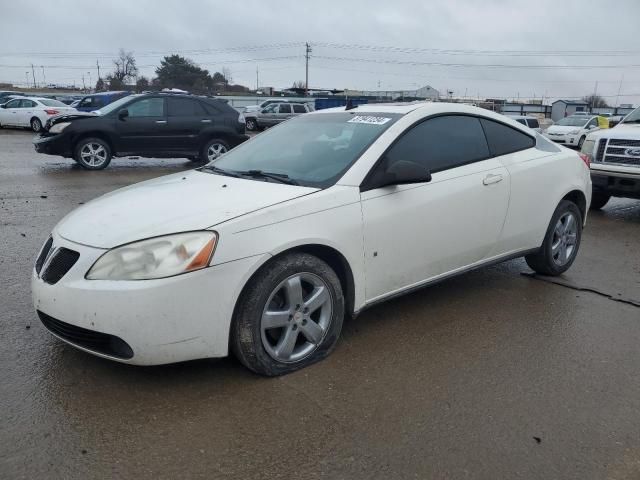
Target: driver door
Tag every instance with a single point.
(417, 232)
(144, 130)
(11, 112)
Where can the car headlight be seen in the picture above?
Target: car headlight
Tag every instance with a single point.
(157, 257)
(59, 127)
(574, 132)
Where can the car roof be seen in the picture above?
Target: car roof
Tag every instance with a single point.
(115, 92)
(519, 116)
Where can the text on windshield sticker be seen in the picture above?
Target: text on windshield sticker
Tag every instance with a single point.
(369, 120)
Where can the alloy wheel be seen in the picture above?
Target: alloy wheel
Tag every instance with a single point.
(564, 241)
(215, 150)
(36, 125)
(296, 317)
(93, 154)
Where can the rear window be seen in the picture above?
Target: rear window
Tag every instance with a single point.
(503, 139)
(52, 103)
(533, 123)
(184, 107)
(299, 109)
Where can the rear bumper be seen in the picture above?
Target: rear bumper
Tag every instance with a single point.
(54, 145)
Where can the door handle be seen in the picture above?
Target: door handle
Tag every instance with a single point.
(489, 179)
(205, 121)
(161, 122)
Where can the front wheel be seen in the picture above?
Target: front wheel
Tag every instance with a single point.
(289, 315)
(251, 124)
(92, 153)
(213, 149)
(561, 242)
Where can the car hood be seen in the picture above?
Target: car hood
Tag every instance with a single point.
(68, 117)
(625, 131)
(562, 129)
(175, 203)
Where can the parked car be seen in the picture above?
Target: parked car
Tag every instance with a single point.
(530, 122)
(147, 125)
(267, 248)
(274, 114)
(573, 130)
(261, 106)
(615, 160)
(31, 112)
(6, 95)
(5, 99)
(99, 100)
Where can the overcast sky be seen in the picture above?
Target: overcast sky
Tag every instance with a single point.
(356, 44)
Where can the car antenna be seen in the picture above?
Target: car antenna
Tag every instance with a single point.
(350, 105)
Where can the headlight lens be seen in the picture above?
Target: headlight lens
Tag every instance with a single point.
(59, 127)
(156, 258)
(574, 132)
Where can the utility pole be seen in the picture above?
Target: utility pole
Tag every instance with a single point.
(33, 73)
(306, 81)
(593, 98)
(84, 87)
(98, 65)
(44, 78)
(257, 79)
(618, 95)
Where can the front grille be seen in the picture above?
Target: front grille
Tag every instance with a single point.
(91, 340)
(600, 152)
(43, 255)
(614, 151)
(61, 262)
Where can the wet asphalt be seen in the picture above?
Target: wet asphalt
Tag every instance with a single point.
(491, 375)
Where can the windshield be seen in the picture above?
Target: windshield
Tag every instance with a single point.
(313, 150)
(52, 103)
(572, 122)
(115, 105)
(633, 117)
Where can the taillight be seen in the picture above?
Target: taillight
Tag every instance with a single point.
(585, 158)
(51, 112)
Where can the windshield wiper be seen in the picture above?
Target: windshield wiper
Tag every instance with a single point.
(220, 171)
(279, 177)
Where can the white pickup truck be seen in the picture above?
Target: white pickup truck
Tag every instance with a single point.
(615, 160)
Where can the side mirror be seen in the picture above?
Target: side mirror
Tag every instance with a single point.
(401, 173)
(122, 114)
(4, 105)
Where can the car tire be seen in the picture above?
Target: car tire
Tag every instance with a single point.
(92, 153)
(599, 200)
(212, 146)
(251, 124)
(580, 142)
(561, 242)
(289, 315)
(36, 124)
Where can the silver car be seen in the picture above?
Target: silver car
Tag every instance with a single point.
(275, 113)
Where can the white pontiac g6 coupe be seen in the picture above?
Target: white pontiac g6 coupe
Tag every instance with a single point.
(265, 250)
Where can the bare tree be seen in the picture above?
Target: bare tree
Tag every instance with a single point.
(595, 101)
(299, 84)
(125, 66)
(228, 76)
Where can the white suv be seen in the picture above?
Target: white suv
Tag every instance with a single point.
(615, 160)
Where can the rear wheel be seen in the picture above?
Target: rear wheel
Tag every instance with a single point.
(289, 316)
(599, 200)
(561, 242)
(36, 124)
(92, 153)
(213, 149)
(252, 125)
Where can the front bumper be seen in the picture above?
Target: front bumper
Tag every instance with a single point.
(54, 144)
(564, 139)
(162, 321)
(616, 180)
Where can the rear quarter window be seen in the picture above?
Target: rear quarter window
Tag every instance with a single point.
(503, 139)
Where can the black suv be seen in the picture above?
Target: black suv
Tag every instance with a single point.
(148, 125)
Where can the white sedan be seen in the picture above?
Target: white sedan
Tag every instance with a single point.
(265, 250)
(31, 112)
(572, 130)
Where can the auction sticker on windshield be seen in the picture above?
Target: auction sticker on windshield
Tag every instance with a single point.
(369, 119)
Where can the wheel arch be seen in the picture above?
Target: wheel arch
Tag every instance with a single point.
(579, 198)
(93, 134)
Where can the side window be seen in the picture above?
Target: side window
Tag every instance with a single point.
(14, 104)
(148, 107)
(522, 121)
(593, 123)
(184, 107)
(504, 139)
(441, 143)
(285, 108)
(97, 102)
(28, 103)
(86, 102)
(271, 108)
(297, 108)
(533, 123)
(211, 110)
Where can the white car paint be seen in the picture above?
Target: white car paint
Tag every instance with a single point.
(16, 114)
(392, 238)
(571, 134)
